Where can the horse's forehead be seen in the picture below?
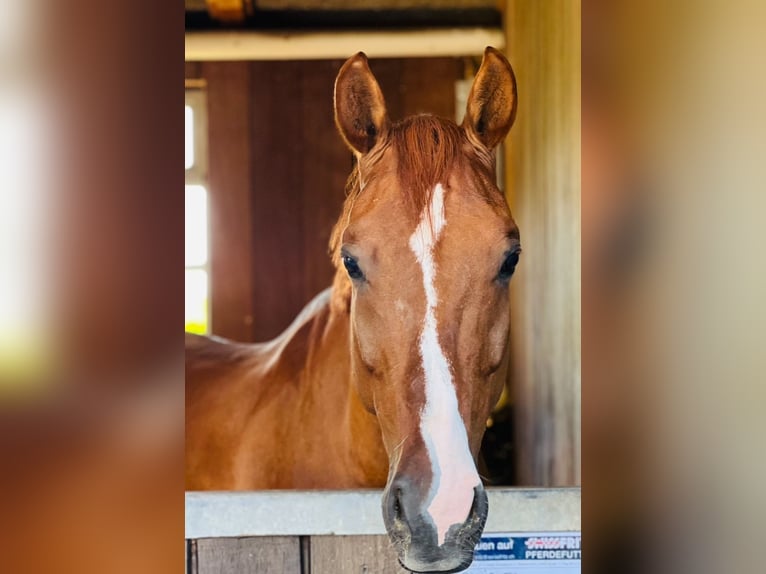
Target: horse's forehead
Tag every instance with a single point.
(467, 192)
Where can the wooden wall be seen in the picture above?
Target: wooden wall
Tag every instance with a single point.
(292, 555)
(277, 173)
(543, 183)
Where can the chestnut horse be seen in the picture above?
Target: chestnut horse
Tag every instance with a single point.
(388, 377)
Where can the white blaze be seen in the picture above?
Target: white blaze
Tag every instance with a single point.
(443, 430)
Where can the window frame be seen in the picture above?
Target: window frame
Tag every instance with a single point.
(195, 98)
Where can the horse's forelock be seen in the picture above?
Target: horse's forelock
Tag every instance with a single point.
(427, 149)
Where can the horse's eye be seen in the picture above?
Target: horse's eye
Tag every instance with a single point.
(352, 267)
(508, 266)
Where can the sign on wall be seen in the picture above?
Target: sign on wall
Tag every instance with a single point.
(528, 553)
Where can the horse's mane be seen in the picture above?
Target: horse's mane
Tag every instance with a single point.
(428, 148)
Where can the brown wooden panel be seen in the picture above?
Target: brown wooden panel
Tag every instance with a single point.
(192, 70)
(261, 555)
(428, 85)
(418, 85)
(299, 168)
(277, 144)
(543, 183)
(228, 95)
(353, 555)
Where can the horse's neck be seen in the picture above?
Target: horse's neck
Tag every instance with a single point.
(317, 343)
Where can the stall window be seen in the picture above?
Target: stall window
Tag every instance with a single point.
(197, 259)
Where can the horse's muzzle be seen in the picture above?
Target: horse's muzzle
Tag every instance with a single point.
(414, 534)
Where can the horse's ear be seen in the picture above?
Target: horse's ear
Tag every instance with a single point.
(360, 110)
(491, 105)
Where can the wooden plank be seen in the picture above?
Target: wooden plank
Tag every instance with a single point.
(192, 70)
(429, 85)
(374, 4)
(262, 45)
(543, 185)
(278, 142)
(299, 167)
(266, 555)
(353, 555)
(228, 91)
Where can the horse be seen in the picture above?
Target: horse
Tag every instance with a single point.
(387, 378)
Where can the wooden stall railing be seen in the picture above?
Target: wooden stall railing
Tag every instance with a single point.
(335, 532)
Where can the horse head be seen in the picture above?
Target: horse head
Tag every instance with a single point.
(425, 249)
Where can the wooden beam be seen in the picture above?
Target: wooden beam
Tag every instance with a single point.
(543, 187)
(352, 554)
(235, 555)
(230, 185)
(373, 4)
(357, 512)
(257, 45)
